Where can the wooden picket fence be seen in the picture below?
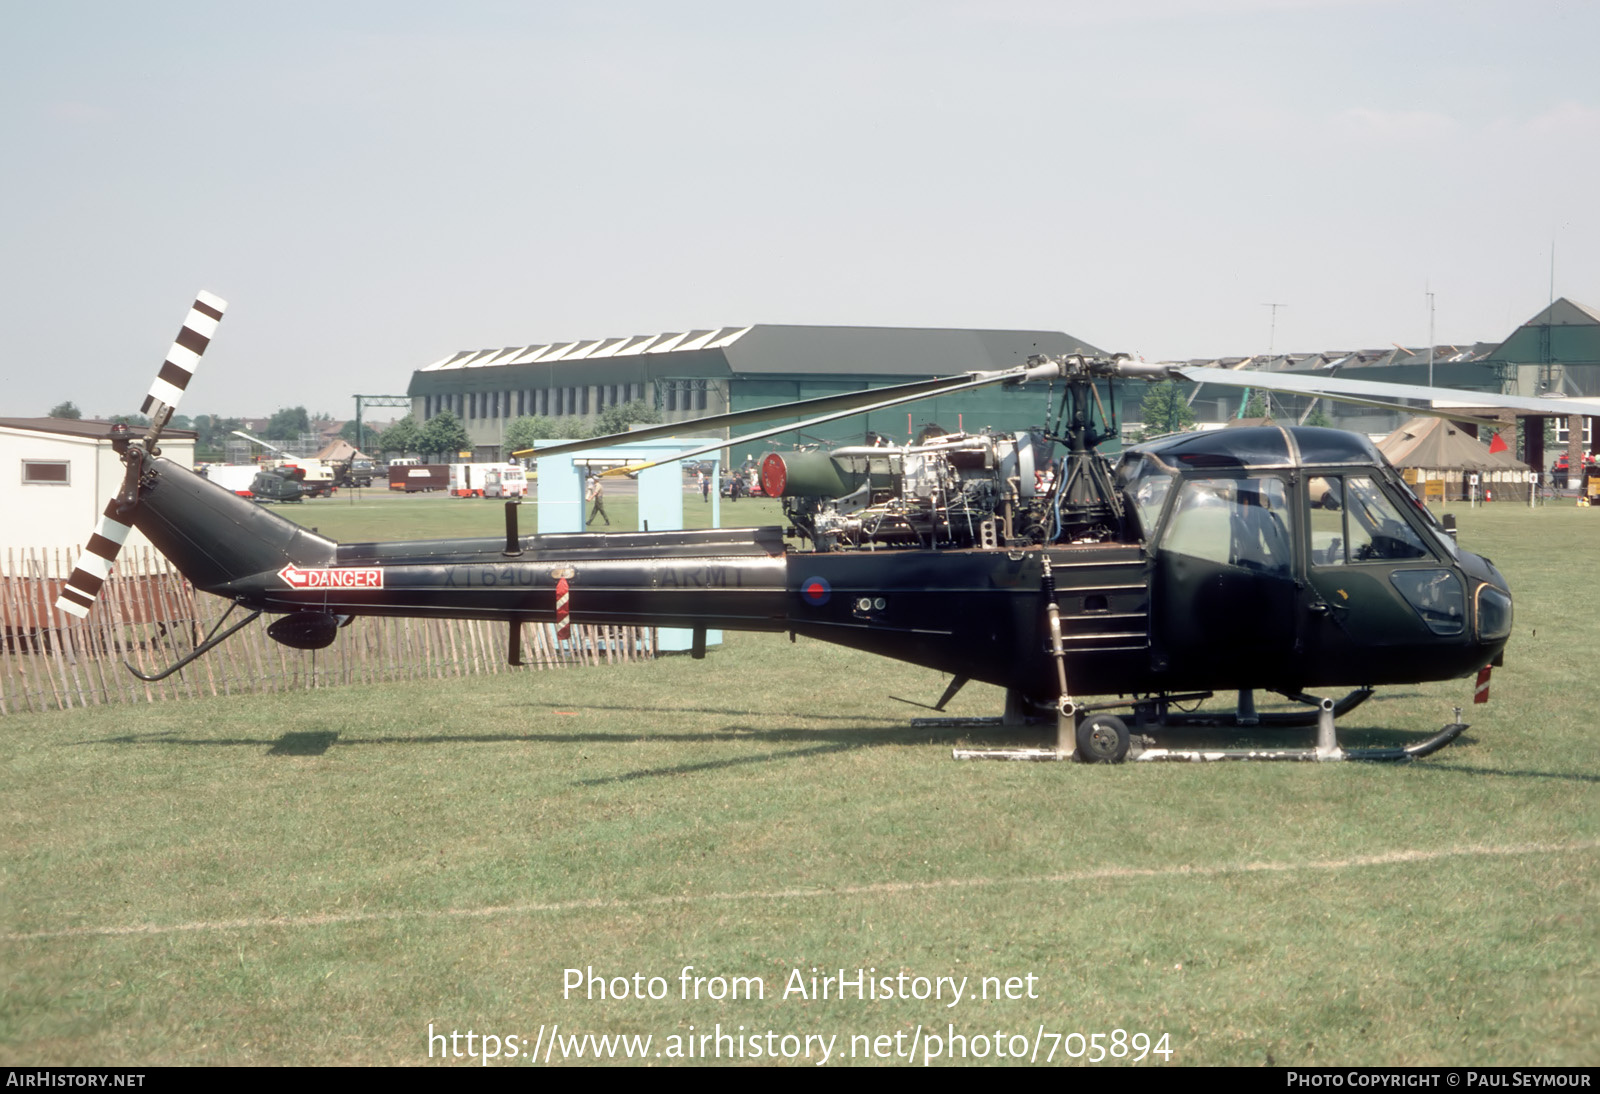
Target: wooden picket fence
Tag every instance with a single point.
(149, 615)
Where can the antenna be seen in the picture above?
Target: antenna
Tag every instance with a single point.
(1272, 337)
(1272, 330)
(1430, 332)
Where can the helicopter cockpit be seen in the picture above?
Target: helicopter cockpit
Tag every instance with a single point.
(1252, 460)
(1281, 542)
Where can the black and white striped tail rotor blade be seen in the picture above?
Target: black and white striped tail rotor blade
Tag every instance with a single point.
(184, 357)
(94, 565)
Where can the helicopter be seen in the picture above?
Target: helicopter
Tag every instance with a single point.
(1291, 560)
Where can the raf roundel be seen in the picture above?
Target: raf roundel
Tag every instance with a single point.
(815, 591)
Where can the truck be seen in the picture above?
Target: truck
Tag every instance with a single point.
(505, 480)
(488, 480)
(415, 477)
(232, 476)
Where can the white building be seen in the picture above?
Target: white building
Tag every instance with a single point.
(56, 476)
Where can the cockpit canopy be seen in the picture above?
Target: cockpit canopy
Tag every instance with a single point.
(1263, 447)
(1245, 472)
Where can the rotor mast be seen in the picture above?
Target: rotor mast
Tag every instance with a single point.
(1086, 503)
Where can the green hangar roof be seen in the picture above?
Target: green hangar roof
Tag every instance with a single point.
(1566, 332)
(752, 352)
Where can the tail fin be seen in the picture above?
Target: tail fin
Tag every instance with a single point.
(94, 566)
(216, 537)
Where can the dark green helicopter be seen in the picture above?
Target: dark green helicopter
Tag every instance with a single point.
(1292, 560)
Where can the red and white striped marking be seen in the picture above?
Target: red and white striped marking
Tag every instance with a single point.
(1480, 694)
(94, 565)
(184, 356)
(563, 621)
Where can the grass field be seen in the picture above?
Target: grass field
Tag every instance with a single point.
(318, 877)
(376, 515)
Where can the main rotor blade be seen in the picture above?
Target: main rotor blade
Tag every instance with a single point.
(1333, 387)
(257, 440)
(731, 442)
(1415, 411)
(848, 403)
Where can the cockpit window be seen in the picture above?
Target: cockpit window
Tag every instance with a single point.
(1146, 481)
(1238, 522)
(1434, 529)
(1352, 520)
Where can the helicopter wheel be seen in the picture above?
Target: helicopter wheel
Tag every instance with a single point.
(1102, 739)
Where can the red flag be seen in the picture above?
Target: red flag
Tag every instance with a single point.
(1498, 445)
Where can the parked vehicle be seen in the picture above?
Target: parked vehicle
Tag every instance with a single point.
(232, 476)
(505, 480)
(487, 480)
(418, 477)
(316, 477)
(352, 473)
(279, 484)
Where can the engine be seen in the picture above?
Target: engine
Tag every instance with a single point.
(955, 490)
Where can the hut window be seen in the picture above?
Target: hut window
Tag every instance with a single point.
(47, 472)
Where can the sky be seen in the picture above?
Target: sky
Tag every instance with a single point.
(374, 186)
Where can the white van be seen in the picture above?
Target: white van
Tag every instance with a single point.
(487, 480)
(505, 480)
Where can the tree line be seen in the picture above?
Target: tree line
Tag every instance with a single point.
(443, 435)
(213, 431)
(1165, 410)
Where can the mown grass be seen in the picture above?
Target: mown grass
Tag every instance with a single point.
(316, 877)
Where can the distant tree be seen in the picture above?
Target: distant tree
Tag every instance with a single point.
(619, 416)
(138, 421)
(1256, 406)
(1164, 410)
(1318, 418)
(287, 424)
(402, 437)
(522, 432)
(212, 434)
(65, 410)
(444, 435)
(348, 432)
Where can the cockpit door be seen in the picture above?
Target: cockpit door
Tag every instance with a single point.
(1226, 594)
(1373, 583)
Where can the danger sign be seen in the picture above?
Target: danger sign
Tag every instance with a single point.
(347, 578)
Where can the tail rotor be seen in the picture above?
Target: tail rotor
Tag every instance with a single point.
(94, 565)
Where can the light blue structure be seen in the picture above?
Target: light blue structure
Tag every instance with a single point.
(560, 491)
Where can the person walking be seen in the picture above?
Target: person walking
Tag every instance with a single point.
(598, 496)
(705, 487)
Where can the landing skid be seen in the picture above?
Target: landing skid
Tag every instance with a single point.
(1105, 739)
(1246, 715)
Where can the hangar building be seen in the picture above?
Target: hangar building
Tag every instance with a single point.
(1555, 353)
(693, 373)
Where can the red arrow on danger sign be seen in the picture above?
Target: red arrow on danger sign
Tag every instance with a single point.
(350, 577)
